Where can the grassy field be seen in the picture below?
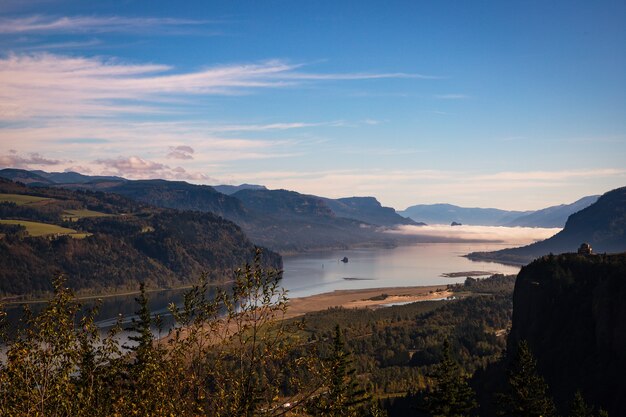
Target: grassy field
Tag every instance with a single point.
(21, 199)
(45, 229)
(73, 215)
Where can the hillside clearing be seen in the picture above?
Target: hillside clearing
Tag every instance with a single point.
(74, 215)
(21, 199)
(44, 229)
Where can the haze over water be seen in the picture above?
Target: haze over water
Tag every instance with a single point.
(420, 264)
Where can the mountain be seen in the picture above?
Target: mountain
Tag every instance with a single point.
(602, 225)
(74, 177)
(554, 216)
(288, 221)
(180, 195)
(278, 219)
(104, 242)
(571, 311)
(232, 189)
(24, 176)
(368, 210)
(448, 213)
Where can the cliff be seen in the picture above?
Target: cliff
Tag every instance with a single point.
(571, 310)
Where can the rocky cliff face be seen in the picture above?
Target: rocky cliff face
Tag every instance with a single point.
(572, 311)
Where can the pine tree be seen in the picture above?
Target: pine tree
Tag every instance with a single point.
(343, 397)
(452, 395)
(528, 392)
(579, 407)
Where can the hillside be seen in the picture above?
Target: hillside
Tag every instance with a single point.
(71, 177)
(291, 222)
(570, 309)
(555, 216)
(25, 177)
(232, 189)
(180, 195)
(368, 210)
(121, 243)
(602, 225)
(448, 213)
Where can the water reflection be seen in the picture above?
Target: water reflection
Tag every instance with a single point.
(316, 273)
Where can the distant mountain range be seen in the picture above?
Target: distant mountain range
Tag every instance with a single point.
(279, 219)
(448, 213)
(602, 225)
(554, 216)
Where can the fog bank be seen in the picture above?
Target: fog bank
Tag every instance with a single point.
(511, 235)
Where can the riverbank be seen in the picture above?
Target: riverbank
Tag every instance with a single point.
(365, 298)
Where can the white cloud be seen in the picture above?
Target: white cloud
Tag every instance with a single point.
(14, 160)
(44, 84)
(91, 24)
(93, 139)
(180, 152)
(135, 167)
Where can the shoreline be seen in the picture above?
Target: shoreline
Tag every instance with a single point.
(364, 298)
(477, 258)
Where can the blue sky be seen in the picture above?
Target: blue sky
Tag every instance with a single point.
(515, 105)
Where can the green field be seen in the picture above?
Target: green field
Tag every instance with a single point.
(21, 199)
(73, 215)
(45, 229)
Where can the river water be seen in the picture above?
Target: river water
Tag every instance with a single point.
(321, 272)
(422, 264)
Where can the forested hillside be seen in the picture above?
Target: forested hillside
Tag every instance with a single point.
(112, 244)
(235, 351)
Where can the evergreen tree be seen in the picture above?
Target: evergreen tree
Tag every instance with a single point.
(527, 395)
(343, 397)
(452, 396)
(579, 407)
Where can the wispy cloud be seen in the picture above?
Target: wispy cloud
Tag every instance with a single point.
(13, 159)
(180, 152)
(94, 24)
(549, 177)
(44, 84)
(61, 45)
(136, 167)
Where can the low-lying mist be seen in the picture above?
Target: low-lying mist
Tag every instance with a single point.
(510, 235)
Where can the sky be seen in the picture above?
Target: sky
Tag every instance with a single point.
(515, 105)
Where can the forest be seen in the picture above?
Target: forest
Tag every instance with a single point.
(121, 244)
(234, 355)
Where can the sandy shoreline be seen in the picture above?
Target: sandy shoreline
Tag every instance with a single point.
(364, 298)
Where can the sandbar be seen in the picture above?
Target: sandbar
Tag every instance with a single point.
(365, 298)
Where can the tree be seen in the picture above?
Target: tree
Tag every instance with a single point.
(238, 354)
(342, 396)
(527, 394)
(579, 407)
(452, 396)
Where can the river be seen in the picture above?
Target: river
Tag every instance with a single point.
(321, 272)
